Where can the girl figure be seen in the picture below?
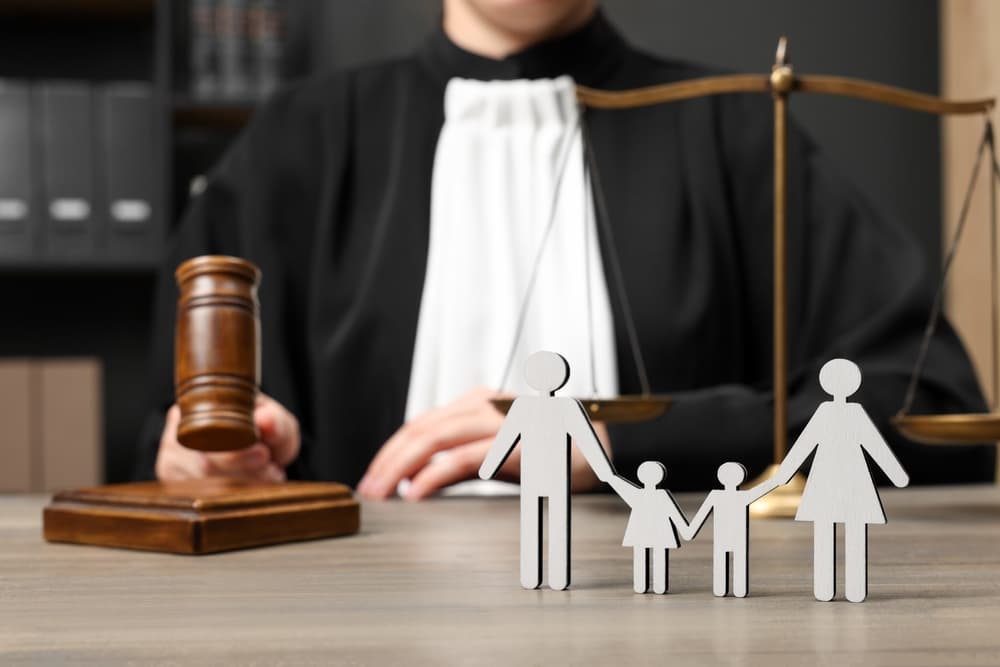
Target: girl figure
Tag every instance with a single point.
(839, 488)
(652, 526)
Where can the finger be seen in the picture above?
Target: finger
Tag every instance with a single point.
(473, 402)
(180, 463)
(456, 465)
(173, 461)
(410, 429)
(245, 462)
(279, 429)
(413, 453)
(173, 419)
(273, 473)
(176, 462)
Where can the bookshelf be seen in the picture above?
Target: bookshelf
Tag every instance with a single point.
(200, 125)
(86, 305)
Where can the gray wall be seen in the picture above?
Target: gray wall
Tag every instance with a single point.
(893, 155)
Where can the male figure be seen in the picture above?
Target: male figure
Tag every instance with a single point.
(544, 425)
(731, 533)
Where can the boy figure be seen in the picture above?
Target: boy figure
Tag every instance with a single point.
(731, 534)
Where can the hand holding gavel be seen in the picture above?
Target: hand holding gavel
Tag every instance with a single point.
(221, 425)
(278, 446)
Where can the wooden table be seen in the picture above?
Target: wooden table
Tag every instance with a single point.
(437, 584)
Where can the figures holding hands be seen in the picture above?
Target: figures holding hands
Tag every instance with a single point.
(839, 488)
(656, 522)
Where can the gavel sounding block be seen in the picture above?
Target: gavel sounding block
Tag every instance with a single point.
(201, 516)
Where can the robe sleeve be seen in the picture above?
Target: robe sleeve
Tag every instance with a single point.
(859, 288)
(269, 179)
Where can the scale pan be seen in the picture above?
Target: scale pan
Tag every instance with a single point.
(621, 410)
(964, 429)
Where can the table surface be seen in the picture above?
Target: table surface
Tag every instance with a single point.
(437, 584)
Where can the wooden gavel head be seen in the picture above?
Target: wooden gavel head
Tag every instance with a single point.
(217, 352)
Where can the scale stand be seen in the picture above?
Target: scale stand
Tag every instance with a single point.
(780, 84)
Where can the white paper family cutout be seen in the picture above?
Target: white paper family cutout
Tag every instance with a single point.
(652, 526)
(730, 529)
(544, 426)
(839, 488)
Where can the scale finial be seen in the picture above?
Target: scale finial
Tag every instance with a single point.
(781, 55)
(782, 77)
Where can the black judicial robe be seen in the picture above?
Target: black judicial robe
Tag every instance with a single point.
(328, 191)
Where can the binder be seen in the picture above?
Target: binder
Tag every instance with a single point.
(67, 155)
(128, 154)
(17, 207)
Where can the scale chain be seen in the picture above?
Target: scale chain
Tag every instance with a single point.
(601, 213)
(550, 223)
(588, 210)
(935, 315)
(995, 308)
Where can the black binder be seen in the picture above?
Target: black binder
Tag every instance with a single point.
(128, 155)
(17, 172)
(67, 155)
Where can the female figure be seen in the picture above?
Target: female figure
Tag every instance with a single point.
(839, 488)
(652, 526)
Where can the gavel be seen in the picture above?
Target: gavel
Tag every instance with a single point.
(217, 380)
(217, 352)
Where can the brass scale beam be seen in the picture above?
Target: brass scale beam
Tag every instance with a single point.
(780, 84)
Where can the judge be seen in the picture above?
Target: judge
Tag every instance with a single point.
(397, 211)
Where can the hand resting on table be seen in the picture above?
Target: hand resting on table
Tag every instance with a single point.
(448, 444)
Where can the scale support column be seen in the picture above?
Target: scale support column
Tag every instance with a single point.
(783, 501)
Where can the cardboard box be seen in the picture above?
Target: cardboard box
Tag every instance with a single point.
(70, 423)
(16, 404)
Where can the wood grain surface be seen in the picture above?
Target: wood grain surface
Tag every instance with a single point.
(200, 516)
(217, 352)
(437, 584)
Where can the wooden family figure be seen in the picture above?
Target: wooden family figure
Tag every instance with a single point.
(839, 487)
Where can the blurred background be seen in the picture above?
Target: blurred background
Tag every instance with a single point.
(111, 111)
